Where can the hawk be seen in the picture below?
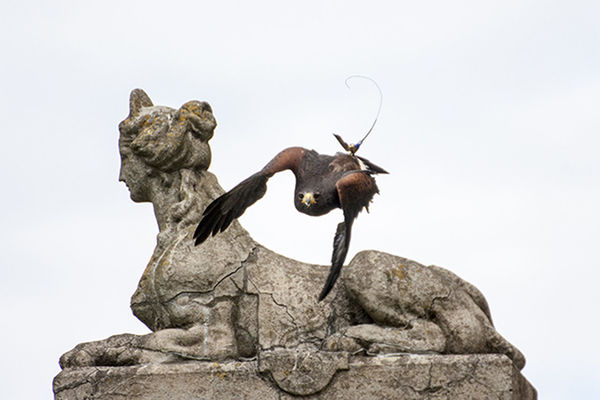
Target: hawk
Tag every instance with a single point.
(323, 183)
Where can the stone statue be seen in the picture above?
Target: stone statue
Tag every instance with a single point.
(232, 299)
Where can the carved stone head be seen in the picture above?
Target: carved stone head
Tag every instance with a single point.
(156, 141)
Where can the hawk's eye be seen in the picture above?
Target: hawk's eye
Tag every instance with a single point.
(300, 196)
(317, 195)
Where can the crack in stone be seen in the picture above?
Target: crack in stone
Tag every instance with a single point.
(229, 275)
(241, 290)
(439, 298)
(285, 307)
(73, 385)
(176, 353)
(430, 376)
(471, 374)
(331, 321)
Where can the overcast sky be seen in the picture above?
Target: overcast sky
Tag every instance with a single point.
(489, 128)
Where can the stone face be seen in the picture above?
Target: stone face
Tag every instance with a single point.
(214, 306)
(451, 377)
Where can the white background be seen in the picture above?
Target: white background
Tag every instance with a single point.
(489, 127)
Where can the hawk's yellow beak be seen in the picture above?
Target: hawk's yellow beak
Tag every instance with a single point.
(308, 199)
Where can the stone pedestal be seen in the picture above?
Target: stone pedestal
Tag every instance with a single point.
(410, 376)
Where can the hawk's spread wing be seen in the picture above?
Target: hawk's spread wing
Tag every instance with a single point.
(355, 191)
(231, 205)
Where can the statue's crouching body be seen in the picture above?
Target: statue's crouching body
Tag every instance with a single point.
(231, 298)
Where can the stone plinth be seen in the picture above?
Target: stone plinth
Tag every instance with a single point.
(479, 376)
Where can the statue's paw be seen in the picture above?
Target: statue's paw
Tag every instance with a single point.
(117, 350)
(422, 337)
(77, 357)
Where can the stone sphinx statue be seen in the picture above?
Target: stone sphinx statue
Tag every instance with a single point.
(231, 299)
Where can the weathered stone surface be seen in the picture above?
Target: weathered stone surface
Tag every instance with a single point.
(422, 337)
(451, 377)
(299, 371)
(288, 311)
(399, 292)
(230, 299)
(179, 381)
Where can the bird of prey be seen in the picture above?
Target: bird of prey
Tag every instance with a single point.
(323, 183)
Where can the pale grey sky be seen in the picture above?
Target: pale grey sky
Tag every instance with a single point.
(489, 127)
